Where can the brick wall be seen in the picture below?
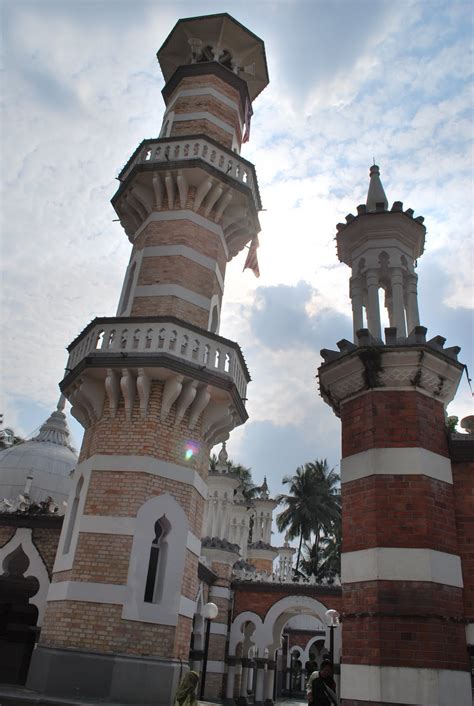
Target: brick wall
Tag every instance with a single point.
(463, 479)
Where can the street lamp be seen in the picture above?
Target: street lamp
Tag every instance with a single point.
(209, 612)
(331, 618)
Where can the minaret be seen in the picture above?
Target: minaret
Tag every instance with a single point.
(403, 634)
(155, 386)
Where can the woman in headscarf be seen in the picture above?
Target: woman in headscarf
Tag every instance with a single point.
(321, 687)
(186, 694)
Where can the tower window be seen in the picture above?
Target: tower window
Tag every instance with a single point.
(157, 562)
(73, 516)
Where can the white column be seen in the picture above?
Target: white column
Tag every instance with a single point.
(373, 309)
(396, 276)
(260, 678)
(413, 316)
(244, 677)
(270, 681)
(229, 692)
(356, 301)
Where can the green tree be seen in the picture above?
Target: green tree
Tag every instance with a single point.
(249, 489)
(312, 506)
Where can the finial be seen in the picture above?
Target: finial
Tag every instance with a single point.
(61, 403)
(376, 193)
(222, 459)
(264, 489)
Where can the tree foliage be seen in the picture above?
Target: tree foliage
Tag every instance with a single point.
(312, 513)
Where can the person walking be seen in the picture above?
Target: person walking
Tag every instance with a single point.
(321, 687)
(186, 694)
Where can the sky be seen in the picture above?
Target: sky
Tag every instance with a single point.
(350, 81)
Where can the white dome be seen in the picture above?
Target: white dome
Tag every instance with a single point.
(41, 466)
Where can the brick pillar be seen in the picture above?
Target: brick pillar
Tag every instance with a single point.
(403, 633)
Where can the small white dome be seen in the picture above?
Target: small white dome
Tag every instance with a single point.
(41, 466)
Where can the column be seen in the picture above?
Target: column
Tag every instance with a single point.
(242, 701)
(229, 690)
(260, 679)
(398, 299)
(373, 309)
(413, 316)
(269, 687)
(355, 290)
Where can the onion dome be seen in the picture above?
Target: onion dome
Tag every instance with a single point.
(41, 467)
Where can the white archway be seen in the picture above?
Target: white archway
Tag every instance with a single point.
(237, 633)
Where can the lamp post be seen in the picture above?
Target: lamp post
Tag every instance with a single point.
(209, 612)
(331, 618)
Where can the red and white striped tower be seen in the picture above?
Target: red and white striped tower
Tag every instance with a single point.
(404, 640)
(155, 386)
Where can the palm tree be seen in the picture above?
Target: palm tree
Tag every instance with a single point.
(312, 505)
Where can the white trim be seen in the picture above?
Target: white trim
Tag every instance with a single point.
(188, 253)
(187, 607)
(405, 685)
(204, 115)
(64, 562)
(172, 290)
(215, 666)
(219, 628)
(193, 544)
(142, 464)
(102, 524)
(86, 591)
(220, 592)
(401, 564)
(23, 538)
(206, 91)
(396, 461)
(185, 215)
(470, 633)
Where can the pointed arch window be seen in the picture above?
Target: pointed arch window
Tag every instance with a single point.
(73, 516)
(157, 562)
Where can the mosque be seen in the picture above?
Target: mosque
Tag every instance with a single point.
(124, 565)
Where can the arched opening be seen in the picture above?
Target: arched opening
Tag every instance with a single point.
(18, 618)
(157, 562)
(72, 517)
(128, 288)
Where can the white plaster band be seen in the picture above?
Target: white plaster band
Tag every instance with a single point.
(185, 215)
(401, 564)
(188, 253)
(204, 115)
(172, 290)
(405, 685)
(205, 91)
(216, 666)
(470, 633)
(144, 464)
(125, 526)
(219, 628)
(108, 593)
(220, 592)
(396, 461)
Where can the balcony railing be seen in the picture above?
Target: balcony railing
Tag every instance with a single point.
(188, 344)
(171, 150)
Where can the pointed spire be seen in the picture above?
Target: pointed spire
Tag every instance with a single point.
(264, 494)
(376, 193)
(55, 429)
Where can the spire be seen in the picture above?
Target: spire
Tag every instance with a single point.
(55, 428)
(376, 193)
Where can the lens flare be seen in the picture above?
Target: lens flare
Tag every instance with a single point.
(191, 450)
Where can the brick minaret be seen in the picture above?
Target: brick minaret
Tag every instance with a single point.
(156, 387)
(404, 640)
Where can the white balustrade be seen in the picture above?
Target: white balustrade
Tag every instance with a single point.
(171, 338)
(182, 149)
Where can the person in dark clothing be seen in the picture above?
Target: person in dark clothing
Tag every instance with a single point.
(322, 687)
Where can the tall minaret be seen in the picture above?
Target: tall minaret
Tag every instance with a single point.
(403, 635)
(156, 387)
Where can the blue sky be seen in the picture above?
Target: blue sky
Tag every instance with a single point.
(349, 81)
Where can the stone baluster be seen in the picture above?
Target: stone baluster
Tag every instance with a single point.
(413, 316)
(270, 683)
(356, 301)
(373, 308)
(396, 276)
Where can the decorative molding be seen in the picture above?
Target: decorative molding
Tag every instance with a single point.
(87, 591)
(220, 592)
(172, 290)
(401, 564)
(205, 115)
(396, 461)
(205, 91)
(185, 215)
(405, 685)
